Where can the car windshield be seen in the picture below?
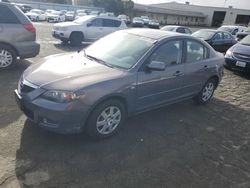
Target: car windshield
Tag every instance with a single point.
(81, 20)
(204, 34)
(70, 13)
(246, 40)
(228, 29)
(169, 28)
(124, 49)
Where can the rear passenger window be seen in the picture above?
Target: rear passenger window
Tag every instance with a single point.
(181, 30)
(111, 23)
(195, 52)
(7, 16)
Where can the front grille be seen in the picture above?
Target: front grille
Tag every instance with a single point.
(242, 57)
(26, 89)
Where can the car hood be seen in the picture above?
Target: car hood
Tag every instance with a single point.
(241, 49)
(65, 24)
(70, 72)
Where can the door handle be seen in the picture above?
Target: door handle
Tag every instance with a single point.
(178, 73)
(204, 68)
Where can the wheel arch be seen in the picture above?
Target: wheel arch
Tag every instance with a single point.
(118, 97)
(216, 78)
(7, 44)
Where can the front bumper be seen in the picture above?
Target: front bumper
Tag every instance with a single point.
(57, 118)
(51, 19)
(231, 63)
(59, 34)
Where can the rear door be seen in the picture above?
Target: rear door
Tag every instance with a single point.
(197, 66)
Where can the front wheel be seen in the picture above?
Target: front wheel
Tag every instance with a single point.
(206, 93)
(106, 119)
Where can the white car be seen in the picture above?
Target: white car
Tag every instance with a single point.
(36, 15)
(87, 28)
(79, 15)
(56, 16)
(233, 29)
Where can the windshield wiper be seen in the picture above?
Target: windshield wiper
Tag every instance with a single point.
(98, 60)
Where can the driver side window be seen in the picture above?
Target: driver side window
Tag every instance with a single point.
(96, 22)
(169, 53)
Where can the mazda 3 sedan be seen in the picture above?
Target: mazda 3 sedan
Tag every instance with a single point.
(122, 74)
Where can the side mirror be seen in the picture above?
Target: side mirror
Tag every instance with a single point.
(156, 66)
(89, 24)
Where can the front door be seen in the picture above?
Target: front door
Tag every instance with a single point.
(94, 30)
(159, 87)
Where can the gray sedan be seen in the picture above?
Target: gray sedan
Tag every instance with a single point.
(120, 75)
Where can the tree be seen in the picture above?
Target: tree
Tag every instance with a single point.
(116, 6)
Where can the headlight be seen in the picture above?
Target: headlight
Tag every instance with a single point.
(229, 54)
(60, 96)
(63, 28)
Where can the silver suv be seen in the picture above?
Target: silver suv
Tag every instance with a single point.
(17, 36)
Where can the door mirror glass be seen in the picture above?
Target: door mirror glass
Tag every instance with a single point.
(156, 66)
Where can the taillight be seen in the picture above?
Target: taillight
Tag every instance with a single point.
(30, 27)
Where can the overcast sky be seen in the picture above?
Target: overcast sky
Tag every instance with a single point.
(219, 3)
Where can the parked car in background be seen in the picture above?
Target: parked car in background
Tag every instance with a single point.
(63, 11)
(177, 28)
(107, 14)
(241, 35)
(232, 29)
(79, 15)
(154, 24)
(94, 12)
(55, 16)
(49, 11)
(17, 36)
(238, 56)
(145, 19)
(87, 28)
(70, 16)
(137, 22)
(219, 40)
(36, 15)
(124, 18)
(24, 8)
(120, 75)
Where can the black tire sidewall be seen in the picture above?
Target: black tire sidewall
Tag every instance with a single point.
(76, 39)
(13, 53)
(198, 99)
(91, 123)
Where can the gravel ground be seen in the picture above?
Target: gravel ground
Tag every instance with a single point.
(182, 145)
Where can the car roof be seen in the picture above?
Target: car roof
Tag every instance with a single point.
(154, 34)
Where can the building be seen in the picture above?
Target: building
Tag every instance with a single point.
(195, 15)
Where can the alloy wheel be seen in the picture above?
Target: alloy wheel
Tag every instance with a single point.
(5, 58)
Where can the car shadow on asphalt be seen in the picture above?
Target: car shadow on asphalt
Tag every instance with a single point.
(8, 83)
(181, 145)
(69, 48)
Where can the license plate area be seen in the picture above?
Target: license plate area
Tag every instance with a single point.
(241, 64)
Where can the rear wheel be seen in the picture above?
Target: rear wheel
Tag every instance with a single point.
(206, 93)
(106, 119)
(76, 38)
(8, 57)
(37, 19)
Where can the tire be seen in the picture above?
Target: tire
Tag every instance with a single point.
(8, 57)
(65, 41)
(110, 115)
(76, 38)
(37, 19)
(206, 93)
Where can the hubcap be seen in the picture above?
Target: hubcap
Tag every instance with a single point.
(208, 91)
(108, 120)
(5, 58)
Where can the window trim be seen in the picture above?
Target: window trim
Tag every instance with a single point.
(205, 48)
(143, 66)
